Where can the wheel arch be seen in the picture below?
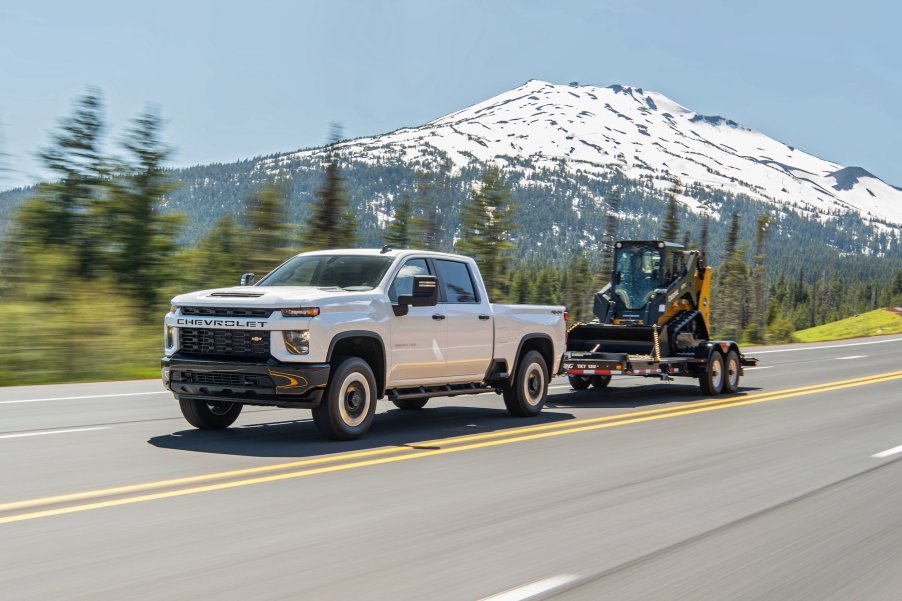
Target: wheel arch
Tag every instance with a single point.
(369, 346)
(535, 342)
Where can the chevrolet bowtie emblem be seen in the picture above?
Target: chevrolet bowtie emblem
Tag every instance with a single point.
(257, 338)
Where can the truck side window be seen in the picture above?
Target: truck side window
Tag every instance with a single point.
(403, 283)
(454, 278)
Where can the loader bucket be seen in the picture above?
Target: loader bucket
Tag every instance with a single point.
(633, 340)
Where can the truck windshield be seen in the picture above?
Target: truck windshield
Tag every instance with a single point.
(349, 272)
(638, 272)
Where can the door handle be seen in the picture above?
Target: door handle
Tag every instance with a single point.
(484, 317)
(438, 317)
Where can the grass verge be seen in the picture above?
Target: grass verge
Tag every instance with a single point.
(871, 323)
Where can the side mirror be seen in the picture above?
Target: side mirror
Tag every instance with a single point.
(248, 279)
(423, 294)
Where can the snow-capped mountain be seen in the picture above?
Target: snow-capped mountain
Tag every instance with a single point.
(643, 134)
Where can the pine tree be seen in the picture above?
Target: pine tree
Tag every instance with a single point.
(520, 287)
(332, 224)
(759, 280)
(897, 284)
(222, 255)
(398, 233)
(703, 236)
(426, 229)
(732, 235)
(670, 225)
(267, 224)
(66, 212)
(486, 226)
(545, 288)
(611, 216)
(140, 238)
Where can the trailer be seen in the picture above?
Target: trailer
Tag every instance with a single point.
(652, 320)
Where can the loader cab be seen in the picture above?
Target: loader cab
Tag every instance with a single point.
(641, 268)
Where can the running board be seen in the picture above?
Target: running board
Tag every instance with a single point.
(425, 392)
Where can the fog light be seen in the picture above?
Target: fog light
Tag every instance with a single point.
(170, 337)
(297, 341)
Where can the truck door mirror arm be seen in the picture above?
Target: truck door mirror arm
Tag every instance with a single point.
(248, 279)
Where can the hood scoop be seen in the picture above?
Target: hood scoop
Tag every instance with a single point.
(237, 294)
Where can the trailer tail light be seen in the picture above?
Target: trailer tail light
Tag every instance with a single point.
(566, 315)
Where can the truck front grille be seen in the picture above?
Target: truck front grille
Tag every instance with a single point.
(232, 343)
(226, 311)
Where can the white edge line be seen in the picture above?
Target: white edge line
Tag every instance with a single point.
(887, 452)
(89, 396)
(851, 357)
(816, 348)
(532, 589)
(758, 367)
(24, 434)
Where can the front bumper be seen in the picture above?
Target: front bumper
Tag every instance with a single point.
(271, 382)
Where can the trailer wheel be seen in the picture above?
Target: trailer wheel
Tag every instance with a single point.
(410, 404)
(711, 380)
(731, 373)
(209, 415)
(580, 382)
(349, 405)
(601, 381)
(525, 395)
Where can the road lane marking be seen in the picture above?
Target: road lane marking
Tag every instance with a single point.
(758, 367)
(24, 434)
(533, 588)
(75, 398)
(888, 452)
(851, 357)
(406, 453)
(828, 346)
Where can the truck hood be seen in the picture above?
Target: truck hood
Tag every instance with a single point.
(270, 296)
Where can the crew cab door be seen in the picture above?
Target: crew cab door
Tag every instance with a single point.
(418, 339)
(469, 319)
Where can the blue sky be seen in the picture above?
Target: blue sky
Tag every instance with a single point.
(236, 80)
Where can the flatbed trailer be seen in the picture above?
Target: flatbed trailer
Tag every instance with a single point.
(718, 363)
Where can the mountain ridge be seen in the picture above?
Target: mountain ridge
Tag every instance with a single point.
(642, 134)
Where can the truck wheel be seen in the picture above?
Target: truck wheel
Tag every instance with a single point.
(210, 415)
(580, 382)
(601, 381)
(410, 404)
(525, 395)
(731, 373)
(349, 405)
(711, 380)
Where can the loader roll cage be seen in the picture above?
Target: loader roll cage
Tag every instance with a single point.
(637, 273)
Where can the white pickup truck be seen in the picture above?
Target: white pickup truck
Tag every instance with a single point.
(334, 331)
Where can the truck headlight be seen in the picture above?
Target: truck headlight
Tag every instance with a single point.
(297, 341)
(170, 337)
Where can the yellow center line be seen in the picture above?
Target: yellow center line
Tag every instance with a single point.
(519, 435)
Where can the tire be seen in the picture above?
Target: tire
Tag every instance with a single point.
(410, 404)
(731, 373)
(580, 382)
(711, 380)
(210, 415)
(601, 381)
(526, 394)
(347, 409)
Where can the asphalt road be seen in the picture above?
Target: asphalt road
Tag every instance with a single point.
(640, 491)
